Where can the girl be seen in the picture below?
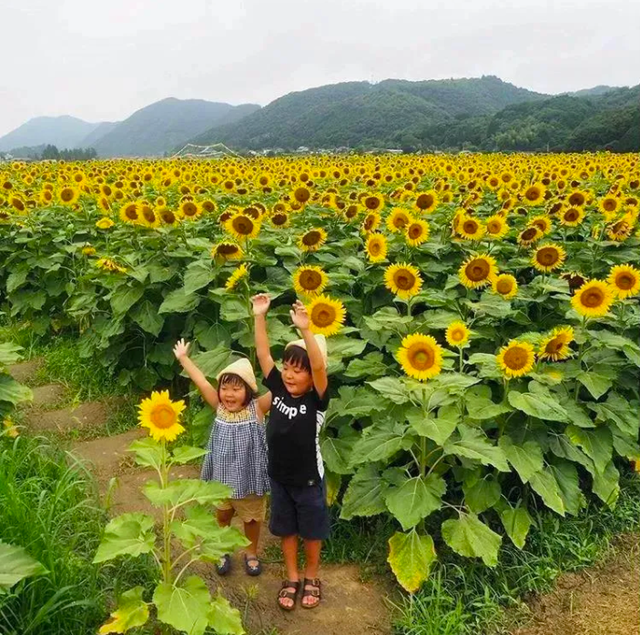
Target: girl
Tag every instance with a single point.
(237, 453)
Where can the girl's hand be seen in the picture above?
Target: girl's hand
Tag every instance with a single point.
(260, 303)
(299, 316)
(181, 349)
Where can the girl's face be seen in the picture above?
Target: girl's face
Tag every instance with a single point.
(233, 396)
(297, 380)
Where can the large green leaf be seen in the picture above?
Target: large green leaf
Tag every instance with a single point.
(415, 499)
(540, 405)
(178, 301)
(12, 391)
(472, 443)
(545, 485)
(125, 296)
(132, 611)
(186, 606)
(481, 407)
(186, 454)
(378, 442)
(526, 458)
(148, 452)
(344, 347)
(470, 537)
(336, 452)
(516, 523)
(9, 353)
(606, 484)
(596, 444)
(200, 527)
(619, 411)
(198, 274)
(147, 317)
(16, 564)
(365, 494)
(233, 309)
(596, 384)
(566, 475)
(371, 365)
(223, 618)
(212, 362)
(392, 388)
(411, 556)
(128, 534)
(481, 494)
(355, 402)
(184, 491)
(437, 428)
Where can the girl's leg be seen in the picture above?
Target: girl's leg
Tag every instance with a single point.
(252, 532)
(312, 553)
(224, 516)
(290, 554)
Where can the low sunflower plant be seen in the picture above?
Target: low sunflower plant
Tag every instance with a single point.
(188, 534)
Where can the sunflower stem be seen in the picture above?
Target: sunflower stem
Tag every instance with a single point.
(164, 480)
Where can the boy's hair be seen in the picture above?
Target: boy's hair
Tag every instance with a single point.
(297, 356)
(236, 380)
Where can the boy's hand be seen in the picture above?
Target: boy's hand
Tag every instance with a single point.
(181, 349)
(260, 303)
(299, 316)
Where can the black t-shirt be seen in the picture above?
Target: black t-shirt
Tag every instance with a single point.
(292, 434)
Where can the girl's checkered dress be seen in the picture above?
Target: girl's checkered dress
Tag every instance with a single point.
(237, 452)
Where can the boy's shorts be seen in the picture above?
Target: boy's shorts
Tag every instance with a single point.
(299, 510)
(252, 507)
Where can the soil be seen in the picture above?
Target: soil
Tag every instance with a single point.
(83, 417)
(26, 372)
(48, 396)
(604, 600)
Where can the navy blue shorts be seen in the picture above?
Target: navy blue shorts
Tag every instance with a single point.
(299, 510)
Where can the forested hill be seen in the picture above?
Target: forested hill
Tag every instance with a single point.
(363, 114)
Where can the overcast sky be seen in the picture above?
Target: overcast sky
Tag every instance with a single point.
(101, 60)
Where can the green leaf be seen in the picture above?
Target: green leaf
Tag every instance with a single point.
(200, 527)
(128, 534)
(526, 459)
(355, 402)
(540, 405)
(186, 606)
(415, 499)
(132, 611)
(596, 384)
(146, 316)
(365, 494)
(15, 565)
(17, 278)
(198, 274)
(149, 453)
(470, 537)
(455, 383)
(545, 485)
(606, 484)
(12, 391)
(439, 428)
(212, 362)
(336, 452)
(186, 454)
(183, 491)
(223, 618)
(392, 388)
(481, 408)
(411, 557)
(233, 310)
(371, 365)
(178, 301)
(210, 336)
(566, 475)
(472, 443)
(343, 347)
(378, 442)
(9, 353)
(487, 365)
(125, 296)
(482, 494)
(577, 414)
(516, 523)
(619, 411)
(596, 444)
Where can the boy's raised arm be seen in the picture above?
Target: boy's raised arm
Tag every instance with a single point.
(300, 318)
(260, 307)
(208, 392)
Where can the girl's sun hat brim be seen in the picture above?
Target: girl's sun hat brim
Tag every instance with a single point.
(244, 370)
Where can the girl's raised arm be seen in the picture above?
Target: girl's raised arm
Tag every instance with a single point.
(260, 307)
(208, 392)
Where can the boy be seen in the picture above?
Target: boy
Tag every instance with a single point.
(298, 498)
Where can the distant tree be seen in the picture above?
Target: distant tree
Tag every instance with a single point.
(50, 152)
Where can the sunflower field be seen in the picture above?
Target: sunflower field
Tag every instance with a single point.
(481, 312)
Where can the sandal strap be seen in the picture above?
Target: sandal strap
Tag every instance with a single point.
(315, 582)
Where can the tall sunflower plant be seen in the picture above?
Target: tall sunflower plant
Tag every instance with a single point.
(187, 534)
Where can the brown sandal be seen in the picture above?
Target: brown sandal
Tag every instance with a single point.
(283, 593)
(314, 592)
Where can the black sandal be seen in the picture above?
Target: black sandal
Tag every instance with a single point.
(252, 570)
(283, 593)
(224, 566)
(314, 592)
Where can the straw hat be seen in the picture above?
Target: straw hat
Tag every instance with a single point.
(243, 369)
(320, 340)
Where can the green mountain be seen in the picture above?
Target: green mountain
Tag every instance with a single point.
(163, 125)
(64, 132)
(100, 131)
(364, 114)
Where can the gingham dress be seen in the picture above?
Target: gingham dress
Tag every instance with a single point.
(237, 452)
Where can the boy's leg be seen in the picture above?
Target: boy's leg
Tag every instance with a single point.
(312, 553)
(290, 554)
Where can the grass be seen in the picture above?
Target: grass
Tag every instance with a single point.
(51, 509)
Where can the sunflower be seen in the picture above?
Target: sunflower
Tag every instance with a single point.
(505, 285)
(593, 298)
(351, 211)
(577, 198)
(534, 194)
(313, 239)
(516, 359)
(470, 228)
(242, 226)
(104, 223)
(417, 232)
(624, 280)
(161, 416)
(529, 236)
(226, 251)
(69, 195)
(496, 227)
(548, 257)
(309, 280)
(130, 213)
(371, 222)
(326, 316)
(542, 222)
(420, 356)
(572, 216)
(373, 202)
(555, 346)
(426, 201)
(398, 220)
(235, 277)
(302, 194)
(621, 230)
(457, 334)
(279, 220)
(376, 247)
(46, 197)
(477, 271)
(190, 210)
(106, 264)
(148, 216)
(609, 205)
(403, 279)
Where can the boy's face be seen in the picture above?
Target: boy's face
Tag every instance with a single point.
(297, 380)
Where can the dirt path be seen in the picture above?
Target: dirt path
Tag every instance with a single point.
(350, 606)
(602, 600)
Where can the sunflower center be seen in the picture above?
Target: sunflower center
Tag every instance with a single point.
(243, 225)
(516, 358)
(323, 315)
(310, 280)
(504, 286)
(279, 219)
(371, 202)
(66, 195)
(576, 199)
(404, 279)
(369, 221)
(477, 270)
(311, 238)
(421, 357)
(424, 201)
(609, 204)
(415, 231)
(457, 335)
(625, 281)
(163, 416)
(572, 215)
(470, 226)
(375, 247)
(302, 195)
(548, 256)
(493, 227)
(532, 193)
(554, 346)
(131, 213)
(530, 233)
(592, 298)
